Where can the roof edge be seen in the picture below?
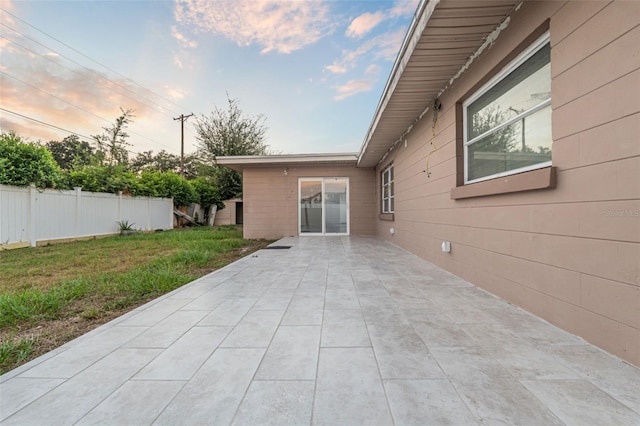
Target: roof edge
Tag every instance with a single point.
(423, 14)
(265, 160)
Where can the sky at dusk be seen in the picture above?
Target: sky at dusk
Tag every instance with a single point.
(314, 69)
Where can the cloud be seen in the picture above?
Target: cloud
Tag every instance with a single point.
(373, 69)
(404, 7)
(184, 41)
(336, 68)
(177, 61)
(81, 101)
(173, 92)
(281, 26)
(385, 47)
(364, 23)
(353, 87)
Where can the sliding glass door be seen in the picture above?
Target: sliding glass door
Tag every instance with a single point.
(324, 206)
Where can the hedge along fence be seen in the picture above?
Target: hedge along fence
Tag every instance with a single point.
(29, 216)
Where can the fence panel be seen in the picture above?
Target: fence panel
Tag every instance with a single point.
(98, 214)
(28, 215)
(14, 214)
(55, 214)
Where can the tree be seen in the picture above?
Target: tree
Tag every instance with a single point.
(71, 152)
(230, 132)
(22, 164)
(207, 194)
(112, 144)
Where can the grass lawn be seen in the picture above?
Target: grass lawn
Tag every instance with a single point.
(50, 295)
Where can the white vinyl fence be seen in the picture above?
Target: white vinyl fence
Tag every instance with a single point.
(29, 215)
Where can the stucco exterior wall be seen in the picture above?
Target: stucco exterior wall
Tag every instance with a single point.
(571, 254)
(226, 216)
(271, 199)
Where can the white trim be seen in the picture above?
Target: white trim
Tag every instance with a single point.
(503, 73)
(288, 158)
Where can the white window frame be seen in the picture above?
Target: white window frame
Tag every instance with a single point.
(508, 69)
(387, 171)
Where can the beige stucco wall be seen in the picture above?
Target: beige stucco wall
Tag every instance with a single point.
(226, 216)
(271, 199)
(571, 254)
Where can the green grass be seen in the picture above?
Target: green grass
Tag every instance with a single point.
(90, 280)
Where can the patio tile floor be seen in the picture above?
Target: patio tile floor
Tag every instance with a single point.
(336, 331)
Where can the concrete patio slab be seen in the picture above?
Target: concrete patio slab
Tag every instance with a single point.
(336, 331)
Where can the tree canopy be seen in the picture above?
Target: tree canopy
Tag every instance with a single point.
(71, 152)
(230, 132)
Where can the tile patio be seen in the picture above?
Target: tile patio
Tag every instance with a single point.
(334, 331)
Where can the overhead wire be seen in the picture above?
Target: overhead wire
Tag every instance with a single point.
(76, 71)
(162, 109)
(89, 58)
(78, 107)
(35, 120)
(118, 84)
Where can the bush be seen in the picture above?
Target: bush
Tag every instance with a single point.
(168, 185)
(207, 193)
(22, 164)
(105, 179)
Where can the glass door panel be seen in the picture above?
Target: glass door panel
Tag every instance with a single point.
(311, 207)
(335, 204)
(324, 206)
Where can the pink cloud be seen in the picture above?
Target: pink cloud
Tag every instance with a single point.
(184, 41)
(364, 23)
(404, 7)
(353, 87)
(385, 47)
(278, 26)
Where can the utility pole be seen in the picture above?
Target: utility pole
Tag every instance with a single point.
(182, 119)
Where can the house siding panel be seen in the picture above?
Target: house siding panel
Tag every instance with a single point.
(271, 199)
(568, 254)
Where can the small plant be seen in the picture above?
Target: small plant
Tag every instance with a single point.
(125, 227)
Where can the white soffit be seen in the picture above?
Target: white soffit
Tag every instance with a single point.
(242, 161)
(443, 36)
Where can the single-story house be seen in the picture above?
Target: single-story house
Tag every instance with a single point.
(505, 149)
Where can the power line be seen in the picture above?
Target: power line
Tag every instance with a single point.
(79, 107)
(90, 70)
(88, 57)
(35, 120)
(78, 73)
(45, 124)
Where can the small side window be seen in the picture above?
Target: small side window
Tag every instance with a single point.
(387, 190)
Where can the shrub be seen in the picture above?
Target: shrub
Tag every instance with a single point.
(168, 185)
(22, 164)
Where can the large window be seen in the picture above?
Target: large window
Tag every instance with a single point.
(507, 122)
(387, 190)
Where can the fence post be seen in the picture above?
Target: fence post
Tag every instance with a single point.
(119, 206)
(32, 216)
(76, 230)
(148, 214)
